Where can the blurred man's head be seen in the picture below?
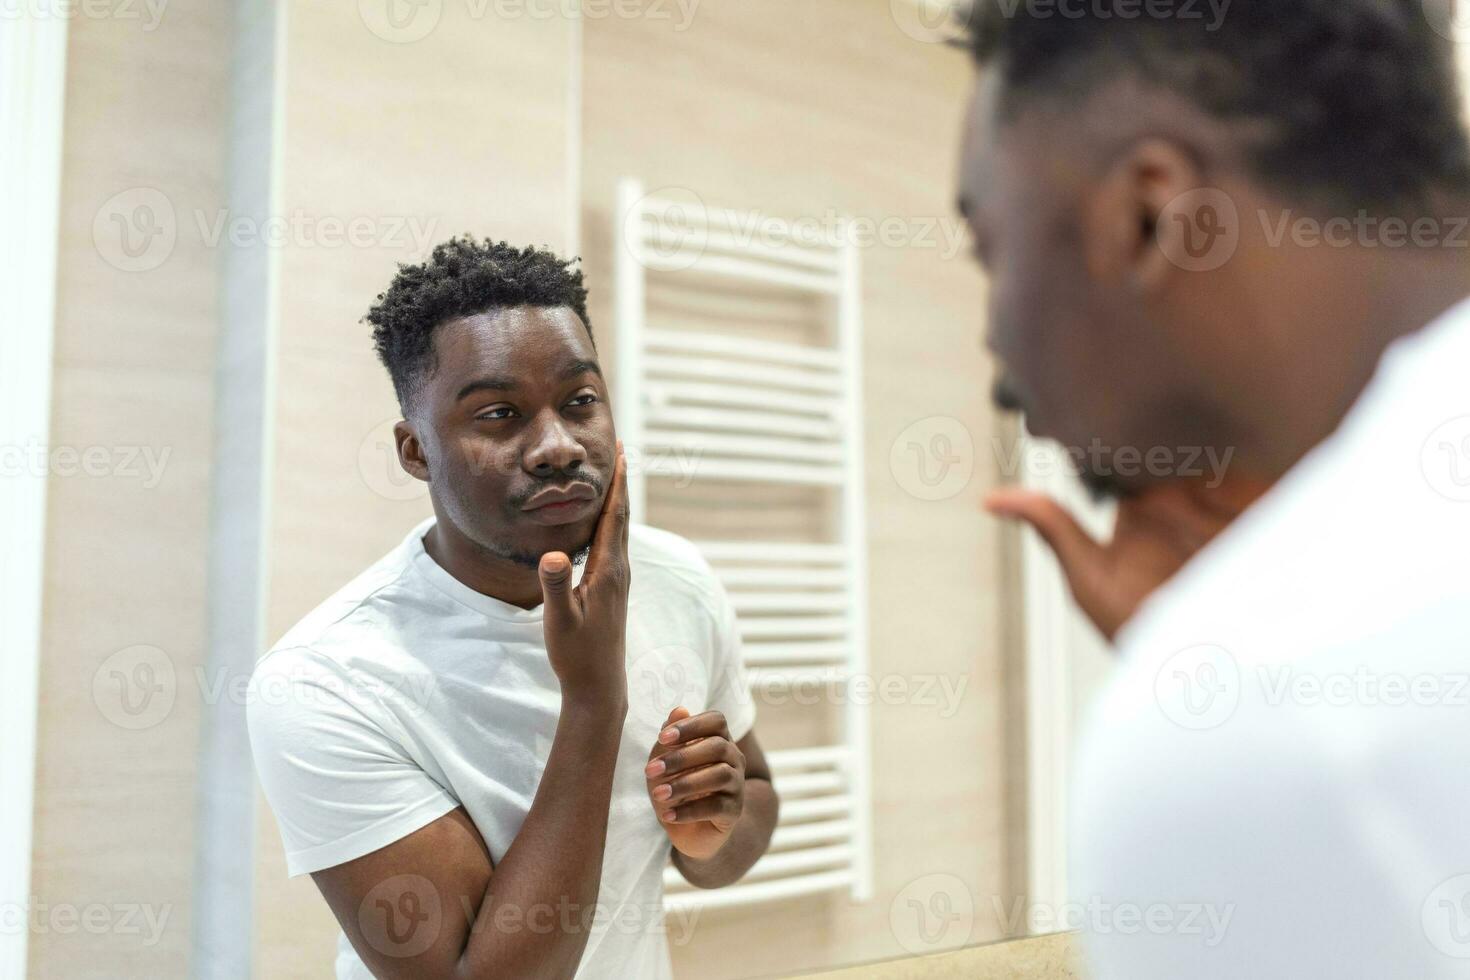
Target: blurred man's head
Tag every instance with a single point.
(1132, 175)
(506, 413)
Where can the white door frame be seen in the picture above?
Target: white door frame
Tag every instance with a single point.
(32, 87)
(1056, 636)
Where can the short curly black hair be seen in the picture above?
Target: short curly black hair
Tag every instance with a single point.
(1349, 103)
(463, 277)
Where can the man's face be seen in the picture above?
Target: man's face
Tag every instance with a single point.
(517, 431)
(1080, 351)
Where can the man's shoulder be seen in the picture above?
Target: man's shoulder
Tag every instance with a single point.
(658, 549)
(671, 567)
(353, 616)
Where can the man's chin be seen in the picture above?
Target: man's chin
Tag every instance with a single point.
(526, 549)
(573, 540)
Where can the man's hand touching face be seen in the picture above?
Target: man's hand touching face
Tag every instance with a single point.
(1158, 530)
(696, 781)
(586, 625)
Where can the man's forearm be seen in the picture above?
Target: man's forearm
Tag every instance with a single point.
(747, 842)
(536, 913)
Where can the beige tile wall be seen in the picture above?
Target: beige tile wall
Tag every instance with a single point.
(125, 550)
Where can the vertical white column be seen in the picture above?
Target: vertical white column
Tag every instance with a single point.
(32, 87)
(858, 716)
(239, 518)
(1057, 638)
(628, 290)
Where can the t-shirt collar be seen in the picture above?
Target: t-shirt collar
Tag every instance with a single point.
(442, 580)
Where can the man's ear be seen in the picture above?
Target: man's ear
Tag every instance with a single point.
(410, 451)
(1132, 231)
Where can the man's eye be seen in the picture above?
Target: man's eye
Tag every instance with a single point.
(499, 412)
(583, 400)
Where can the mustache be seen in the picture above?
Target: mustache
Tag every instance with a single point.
(1006, 396)
(520, 498)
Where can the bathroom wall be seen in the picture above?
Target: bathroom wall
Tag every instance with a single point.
(801, 111)
(383, 137)
(128, 496)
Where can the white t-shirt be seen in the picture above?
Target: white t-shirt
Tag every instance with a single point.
(1276, 783)
(408, 694)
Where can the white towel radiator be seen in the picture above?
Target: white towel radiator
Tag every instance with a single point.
(761, 411)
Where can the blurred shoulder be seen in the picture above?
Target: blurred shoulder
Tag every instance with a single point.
(665, 558)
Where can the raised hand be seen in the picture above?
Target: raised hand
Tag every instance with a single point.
(585, 626)
(1158, 530)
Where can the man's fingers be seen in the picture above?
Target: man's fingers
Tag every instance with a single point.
(1075, 549)
(720, 807)
(660, 749)
(555, 571)
(610, 540)
(683, 758)
(702, 725)
(718, 778)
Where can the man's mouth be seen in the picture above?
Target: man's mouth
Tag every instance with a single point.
(561, 505)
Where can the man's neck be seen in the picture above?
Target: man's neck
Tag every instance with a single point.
(1324, 326)
(491, 575)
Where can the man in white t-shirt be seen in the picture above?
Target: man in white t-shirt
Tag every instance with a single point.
(483, 750)
(1243, 237)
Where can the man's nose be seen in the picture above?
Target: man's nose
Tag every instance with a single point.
(552, 449)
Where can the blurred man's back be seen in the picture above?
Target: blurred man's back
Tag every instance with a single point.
(1249, 235)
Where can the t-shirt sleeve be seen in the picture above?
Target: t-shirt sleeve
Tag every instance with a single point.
(340, 784)
(729, 690)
